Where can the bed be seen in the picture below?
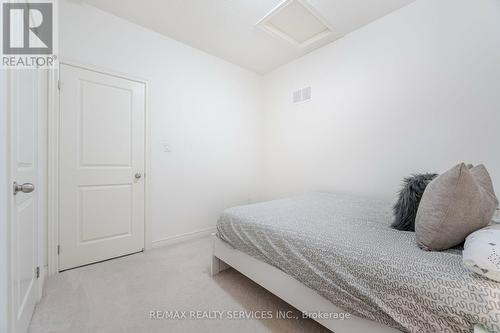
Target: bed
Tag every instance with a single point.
(329, 253)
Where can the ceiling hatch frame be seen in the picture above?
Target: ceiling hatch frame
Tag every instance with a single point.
(265, 24)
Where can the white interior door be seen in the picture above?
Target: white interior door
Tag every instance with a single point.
(102, 158)
(23, 99)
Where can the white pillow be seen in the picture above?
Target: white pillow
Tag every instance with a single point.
(482, 252)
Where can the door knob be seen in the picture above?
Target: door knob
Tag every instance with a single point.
(25, 188)
(138, 175)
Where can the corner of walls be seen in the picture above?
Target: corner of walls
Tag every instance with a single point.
(414, 91)
(205, 110)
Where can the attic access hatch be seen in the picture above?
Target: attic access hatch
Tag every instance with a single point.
(297, 22)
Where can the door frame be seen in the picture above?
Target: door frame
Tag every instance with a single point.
(53, 159)
(8, 166)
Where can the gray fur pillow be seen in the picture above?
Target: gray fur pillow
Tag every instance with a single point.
(405, 209)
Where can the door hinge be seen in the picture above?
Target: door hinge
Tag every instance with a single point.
(58, 84)
(38, 272)
(58, 249)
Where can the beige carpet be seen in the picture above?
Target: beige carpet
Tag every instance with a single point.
(118, 295)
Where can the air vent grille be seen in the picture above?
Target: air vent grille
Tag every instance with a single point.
(297, 22)
(306, 94)
(297, 96)
(302, 95)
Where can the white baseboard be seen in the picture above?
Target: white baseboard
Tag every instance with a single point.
(183, 237)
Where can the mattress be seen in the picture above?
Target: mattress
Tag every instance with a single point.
(343, 248)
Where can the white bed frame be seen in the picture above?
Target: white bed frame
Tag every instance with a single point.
(288, 289)
(292, 291)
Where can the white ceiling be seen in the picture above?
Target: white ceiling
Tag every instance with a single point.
(226, 28)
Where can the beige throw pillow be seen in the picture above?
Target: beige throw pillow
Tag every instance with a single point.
(455, 204)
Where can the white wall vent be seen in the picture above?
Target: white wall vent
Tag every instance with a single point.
(297, 22)
(297, 96)
(302, 95)
(306, 94)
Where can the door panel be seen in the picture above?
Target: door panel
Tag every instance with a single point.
(105, 212)
(23, 97)
(106, 125)
(101, 150)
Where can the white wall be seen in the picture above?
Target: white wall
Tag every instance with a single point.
(414, 91)
(206, 109)
(418, 90)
